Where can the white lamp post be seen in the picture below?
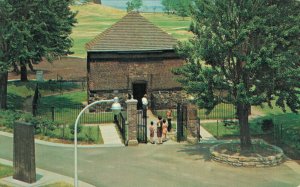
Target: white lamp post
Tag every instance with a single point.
(116, 108)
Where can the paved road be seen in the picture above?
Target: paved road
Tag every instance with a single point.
(154, 165)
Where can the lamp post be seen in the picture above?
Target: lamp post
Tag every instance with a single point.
(116, 108)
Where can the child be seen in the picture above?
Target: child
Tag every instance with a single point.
(151, 129)
(164, 130)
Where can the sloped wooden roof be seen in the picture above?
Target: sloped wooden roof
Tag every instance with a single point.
(132, 33)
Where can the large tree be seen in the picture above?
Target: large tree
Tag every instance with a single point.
(36, 30)
(182, 7)
(245, 52)
(5, 49)
(134, 5)
(168, 5)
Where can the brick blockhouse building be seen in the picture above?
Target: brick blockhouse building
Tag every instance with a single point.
(134, 56)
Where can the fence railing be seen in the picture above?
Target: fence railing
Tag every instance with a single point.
(221, 111)
(120, 121)
(224, 129)
(66, 114)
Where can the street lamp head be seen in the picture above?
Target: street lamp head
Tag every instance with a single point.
(116, 106)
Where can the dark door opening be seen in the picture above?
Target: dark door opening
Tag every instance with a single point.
(139, 90)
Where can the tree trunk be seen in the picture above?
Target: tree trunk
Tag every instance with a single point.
(243, 113)
(3, 90)
(97, 2)
(24, 72)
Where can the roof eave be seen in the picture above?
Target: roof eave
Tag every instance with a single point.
(130, 51)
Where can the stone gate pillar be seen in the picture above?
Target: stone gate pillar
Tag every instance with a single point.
(192, 124)
(24, 152)
(132, 121)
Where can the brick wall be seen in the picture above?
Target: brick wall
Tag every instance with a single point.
(113, 75)
(119, 74)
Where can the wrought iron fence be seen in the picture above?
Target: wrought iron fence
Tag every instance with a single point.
(221, 111)
(120, 121)
(66, 114)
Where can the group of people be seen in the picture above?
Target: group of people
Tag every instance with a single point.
(162, 128)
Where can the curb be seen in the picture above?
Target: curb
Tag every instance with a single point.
(42, 142)
(47, 177)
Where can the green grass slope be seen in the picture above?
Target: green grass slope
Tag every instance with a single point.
(94, 19)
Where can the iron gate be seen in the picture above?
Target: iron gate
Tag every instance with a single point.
(181, 122)
(141, 126)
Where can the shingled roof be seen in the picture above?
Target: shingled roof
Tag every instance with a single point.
(132, 33)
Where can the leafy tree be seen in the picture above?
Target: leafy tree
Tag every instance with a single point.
(6, 53)
(97, 2)
(32, 30)
(182, 8)
(244, 53)
(168, 5)
(134, 5)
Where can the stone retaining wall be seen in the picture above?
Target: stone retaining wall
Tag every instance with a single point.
(242, 161)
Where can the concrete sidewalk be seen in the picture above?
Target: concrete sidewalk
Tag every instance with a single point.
(110, 135)
(152, 117)
(42, 142)
(206, 136)
(43, 178)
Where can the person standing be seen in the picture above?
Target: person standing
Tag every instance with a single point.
(164, 130)
(145, 105)
(151, 129)
(145, 102)
(159, 130)
(169, 118)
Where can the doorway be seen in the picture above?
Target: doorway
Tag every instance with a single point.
(139, 90)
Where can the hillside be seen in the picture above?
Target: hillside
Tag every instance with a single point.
(94, 19)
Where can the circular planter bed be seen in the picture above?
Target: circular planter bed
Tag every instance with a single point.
(261, 154)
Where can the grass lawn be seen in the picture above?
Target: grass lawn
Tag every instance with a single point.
(18, 91)
(5, 171)
(221, 111)
(67, 107)
(287, 129)
(87, 134)
(218, 129)
(59, 184)
(94, 19)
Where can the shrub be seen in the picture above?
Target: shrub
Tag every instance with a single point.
(8, 118)
(72, 128)
(267, 125)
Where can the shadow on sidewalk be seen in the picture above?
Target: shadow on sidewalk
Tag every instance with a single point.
(200, 151)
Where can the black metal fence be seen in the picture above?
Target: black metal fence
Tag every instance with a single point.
(221, 111)
(141, 126)
(120, 121)
(224, 129)
(67, 114)
(181, 122)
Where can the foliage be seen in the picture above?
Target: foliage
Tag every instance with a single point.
(53, 129)
(72, 128)
(134, 5)
(182, 8)
(168, 5)
(179, 7)
(41, 36)
(244, 53)
(27, 35)
(267, 125)
(8, 117)
(20, 92)
(5, 171)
